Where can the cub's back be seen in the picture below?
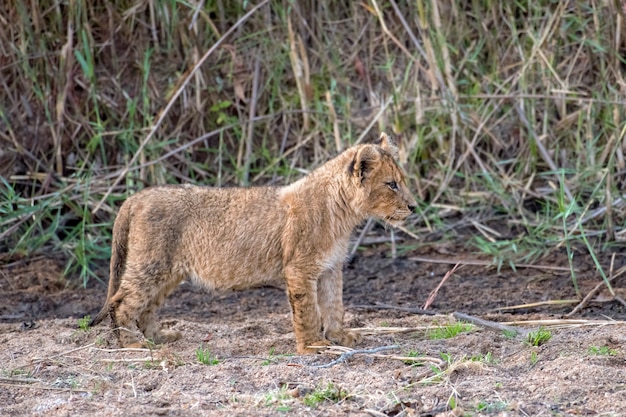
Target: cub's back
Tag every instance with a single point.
(222, 237)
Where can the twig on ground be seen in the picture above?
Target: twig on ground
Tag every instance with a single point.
(4, 384)
(491, 325)
(125, 360)
(377, 331)
(340, 350)
(564, 323)
(67, 352)
(346, 355)
(255, 358)
(374, 412)
(433, 294)
(123, 350)
(537, 304)
(18, 381)
(378, 306)
(478, 262)
(595, 290)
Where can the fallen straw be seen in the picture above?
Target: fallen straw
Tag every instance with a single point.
(491, 325)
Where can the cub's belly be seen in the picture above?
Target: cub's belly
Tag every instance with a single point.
(238, 276)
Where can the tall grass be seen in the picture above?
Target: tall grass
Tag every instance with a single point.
(509, 115)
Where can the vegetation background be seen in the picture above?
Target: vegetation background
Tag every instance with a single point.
(509, 115)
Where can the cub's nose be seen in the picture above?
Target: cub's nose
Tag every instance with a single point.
(412, 208)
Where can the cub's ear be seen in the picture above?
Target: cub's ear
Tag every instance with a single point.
(387, 144)
(364, 161)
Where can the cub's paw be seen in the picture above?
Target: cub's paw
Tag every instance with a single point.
(134, 345)
(345, 338)
(167, 336)
(312, 348)
(131, 339)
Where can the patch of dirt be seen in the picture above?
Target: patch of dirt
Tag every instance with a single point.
(49, 367)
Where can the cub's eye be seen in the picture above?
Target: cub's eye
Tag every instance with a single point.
(392, 185)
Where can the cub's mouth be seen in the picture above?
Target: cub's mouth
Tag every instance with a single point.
(402, 215)
(397, 219)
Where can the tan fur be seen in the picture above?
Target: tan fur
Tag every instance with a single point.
(236, 238)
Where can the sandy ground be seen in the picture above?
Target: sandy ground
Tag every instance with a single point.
(50, 367)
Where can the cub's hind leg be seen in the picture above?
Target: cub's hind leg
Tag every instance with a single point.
(148, 323)
(125, 310)
(142, 290)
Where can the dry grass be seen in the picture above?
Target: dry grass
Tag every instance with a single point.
(509, 115)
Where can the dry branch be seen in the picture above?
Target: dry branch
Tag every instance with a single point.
(391, 307)
(478, 262)
(9, 385)
(595, 290)
(434, 292)
(344, 356)
(491, 325)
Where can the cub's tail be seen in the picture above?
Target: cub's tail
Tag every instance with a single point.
(119, 250)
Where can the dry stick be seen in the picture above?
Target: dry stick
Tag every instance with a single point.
(118, 350)
(169, 105)
(375, 331)
(43, 388)
(400, 308)
(375, 413)
(339, 350)
(618, 203)
(91, 346)
(374, 121)
(19, 381)
(407, 231)
(563, 323)
(67, 352)
(477, 262)
(542, 149)
(333, 117)
(356, 245)
(386, 30)
(620, 300)
(597, 288)
(253, 102)
(610, 235)
(433, 294)
(536, 304)
(370, 222)
(491, 325)
(256, 358)
(346, 355)
(516, 96)
(299, 65)
(380, 239)
(577, 223)
(127, 360)
(416, 44)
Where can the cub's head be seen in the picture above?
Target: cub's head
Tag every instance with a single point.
(381, 184)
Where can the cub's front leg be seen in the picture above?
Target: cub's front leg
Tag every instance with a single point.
(306, 317)
(330, 300)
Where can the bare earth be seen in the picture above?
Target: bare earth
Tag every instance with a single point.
(50, 367)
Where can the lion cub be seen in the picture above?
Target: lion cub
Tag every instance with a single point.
(236, 238)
